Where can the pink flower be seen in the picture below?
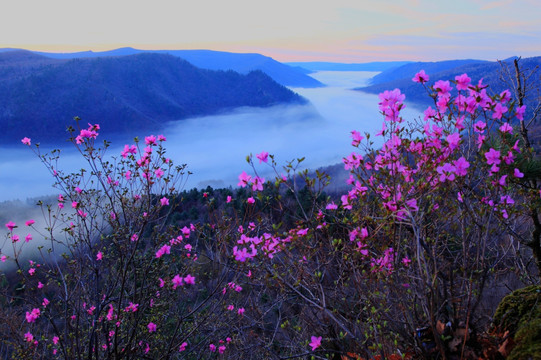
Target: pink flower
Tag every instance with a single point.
(453, 140)
(499, 110)
(150, 140)
(55, 340)
(221, 349)
(331, 206)
(506, 128)
(161, 138)
(461, 166)
(357, 138)
(177, 281)
(258, 184)
(189, 279)
(421, 77)
(158, 172)
(183, 346)
(263, 157)
(131, 307)
(229, 199)
(520, 112)
(462, 82)
(151, 327)
(250, 200)
(493, 157)
(517, 173)
(40, 285)
(33, 316)
(11, 225)
(165, 249)
(99, 256)
(212, 347)
(26, 141)
(240, 311)
(45, 302)
(479, 126)
(28, 237)
(315, 342)
(230, 307)
(302, 232)
(244, 179)
(164, 201)
(28, 337)
(29, 222)
(443, 87)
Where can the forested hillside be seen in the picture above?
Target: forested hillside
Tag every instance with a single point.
(40, 96)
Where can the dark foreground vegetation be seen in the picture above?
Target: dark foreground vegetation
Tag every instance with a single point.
(437, 226)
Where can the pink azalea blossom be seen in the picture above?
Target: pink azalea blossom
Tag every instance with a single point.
(165, 249)
(461, 166)
(357, 138)
(28, 337)
(244, 179)
(505, 96)
(29, 222)
(258, 184)
(99, 256)
(331, 206)
(164, 201)
(158, 172)
(177, 281)
(221, 349)
(229, 198)
(11, 225)
(183, 346)
(517, 173)
(33, 316)
(493, 157)
(506, 128)
(150, 140)
(315, 342)
(479, 126)
(250, 200)
(151, 327)
(212, 347)
(462, 82)
(241, 311)
(263, 157)
(443, 87)
(421, 77)
(520, 112)
(189, 279)
(499, 110)
(26, 141)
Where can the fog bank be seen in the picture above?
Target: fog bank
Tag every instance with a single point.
(215, 147)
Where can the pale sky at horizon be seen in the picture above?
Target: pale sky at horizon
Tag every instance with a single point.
(292, 30)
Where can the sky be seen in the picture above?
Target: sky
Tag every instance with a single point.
(348, 31)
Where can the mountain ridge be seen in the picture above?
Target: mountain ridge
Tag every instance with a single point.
(140, 91)
(212, 60)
